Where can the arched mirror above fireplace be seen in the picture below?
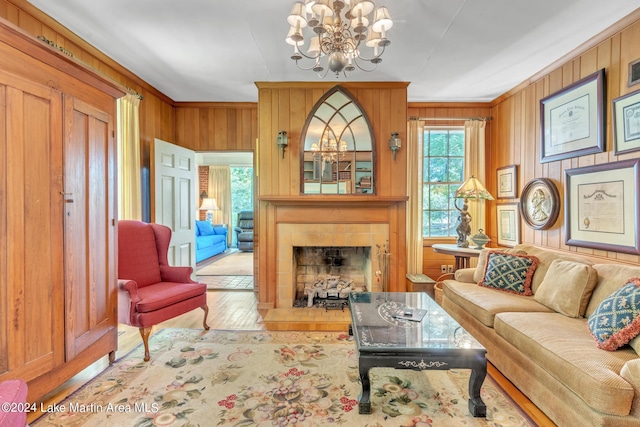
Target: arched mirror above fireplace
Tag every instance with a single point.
(337, 147)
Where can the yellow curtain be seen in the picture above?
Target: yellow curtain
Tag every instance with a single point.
(220, 189)
(129, 183)
(475, 164)
(415, 144)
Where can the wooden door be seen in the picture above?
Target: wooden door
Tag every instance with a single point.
(174, 176)
(89, 225)
(31, 280)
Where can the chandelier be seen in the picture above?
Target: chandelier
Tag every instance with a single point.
(340, 30)
(329, 149)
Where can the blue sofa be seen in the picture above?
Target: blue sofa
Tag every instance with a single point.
(210, 240)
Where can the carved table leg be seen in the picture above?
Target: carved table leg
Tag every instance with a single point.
(476, 405)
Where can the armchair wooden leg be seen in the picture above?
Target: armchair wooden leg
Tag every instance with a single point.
(145, 332)
(112, 357)
(206, 313)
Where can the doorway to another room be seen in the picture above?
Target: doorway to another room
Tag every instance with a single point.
(225, 189)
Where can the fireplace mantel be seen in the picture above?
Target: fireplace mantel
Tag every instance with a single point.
(333, 201)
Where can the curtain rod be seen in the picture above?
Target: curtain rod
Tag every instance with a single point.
(449, 118)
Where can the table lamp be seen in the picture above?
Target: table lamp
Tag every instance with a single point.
(209, 205)
(472, 188)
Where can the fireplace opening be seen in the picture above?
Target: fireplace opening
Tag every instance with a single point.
(325, 275)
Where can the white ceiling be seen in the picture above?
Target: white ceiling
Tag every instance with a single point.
(449, 50)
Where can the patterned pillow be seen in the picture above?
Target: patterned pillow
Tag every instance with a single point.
(509, 272)
(616, 321)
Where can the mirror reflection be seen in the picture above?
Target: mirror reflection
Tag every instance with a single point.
(338, 147)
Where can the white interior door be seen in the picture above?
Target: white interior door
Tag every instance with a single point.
(174, 175)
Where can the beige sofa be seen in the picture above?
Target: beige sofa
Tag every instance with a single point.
(552, 357)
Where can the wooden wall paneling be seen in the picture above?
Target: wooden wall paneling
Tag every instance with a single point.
(289, 166)
(613, 52)
(297, 102)
(4, 244)
(397, 123)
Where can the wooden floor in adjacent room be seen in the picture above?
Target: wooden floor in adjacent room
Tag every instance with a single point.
(236, 310)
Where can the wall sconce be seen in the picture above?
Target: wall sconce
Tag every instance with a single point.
(395, 143)
(282, 141)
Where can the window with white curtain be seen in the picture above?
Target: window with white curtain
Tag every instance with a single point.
(443, 173)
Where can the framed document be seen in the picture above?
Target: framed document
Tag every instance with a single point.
(507, 181)
(508, 224)
(601, 206)
(572, 120)
(540, 203)
(626, 123)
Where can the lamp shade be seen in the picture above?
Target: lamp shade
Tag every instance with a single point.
(382, 20)
(209, 204)
(472, 188)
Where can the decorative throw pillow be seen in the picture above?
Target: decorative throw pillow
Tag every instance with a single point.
(616, 321)
(509, 272)
(205, 228)
(482, 260)
(570, 295)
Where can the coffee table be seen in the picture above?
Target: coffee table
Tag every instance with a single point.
(435, 342)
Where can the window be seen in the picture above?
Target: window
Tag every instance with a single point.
(443, 173)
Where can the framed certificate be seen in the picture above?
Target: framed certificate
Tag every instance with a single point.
(626, 123)
(572, 120)
(601, 206)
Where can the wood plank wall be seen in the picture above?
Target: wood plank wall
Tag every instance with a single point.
(198, 126)
(515, 133)
(156, 110)
(432, 261)
(285, 106)
(217, 126)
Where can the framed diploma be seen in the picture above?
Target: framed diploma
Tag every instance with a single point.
(626, 123)
(602, 206)
(572, 120)
(507, 180)
(540, 203)
(508, 224)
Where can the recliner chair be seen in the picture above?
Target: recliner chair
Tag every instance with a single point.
(244, 231)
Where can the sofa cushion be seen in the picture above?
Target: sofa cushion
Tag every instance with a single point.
(204, 228)
(166, 294)
(545, 258)
(616, 321)
(568, 354)
(478, 274)
(203, 242)
(567, 287)
(509, 272)
(484, 303)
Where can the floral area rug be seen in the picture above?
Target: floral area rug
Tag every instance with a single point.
(225, 378)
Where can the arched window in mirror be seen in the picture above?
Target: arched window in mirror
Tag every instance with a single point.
(337, 147)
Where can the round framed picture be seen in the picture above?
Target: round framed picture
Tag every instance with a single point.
(540, 203)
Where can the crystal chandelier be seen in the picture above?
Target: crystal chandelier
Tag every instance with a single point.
(329, 149)
(339, 30)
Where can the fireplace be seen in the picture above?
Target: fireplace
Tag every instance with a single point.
(307, 251)
(328, 273)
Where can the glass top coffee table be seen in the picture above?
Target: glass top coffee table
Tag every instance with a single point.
(437, 341)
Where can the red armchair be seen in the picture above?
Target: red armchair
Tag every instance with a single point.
(149, 290)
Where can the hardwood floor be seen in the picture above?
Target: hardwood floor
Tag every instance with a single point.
(238, 311)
